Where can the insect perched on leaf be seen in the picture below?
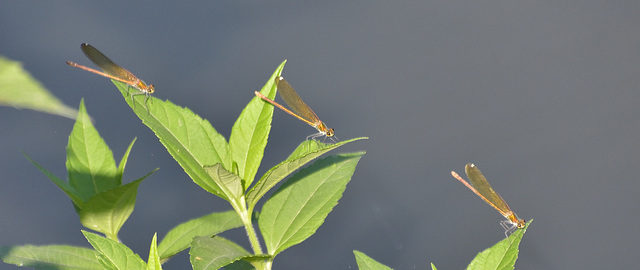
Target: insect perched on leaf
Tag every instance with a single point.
(113, 71)
(299, 109)
(480, 186)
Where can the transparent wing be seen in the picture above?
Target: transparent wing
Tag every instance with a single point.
(294, 101)
(106, 64)
(480, 183)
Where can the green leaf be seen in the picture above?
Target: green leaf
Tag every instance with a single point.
(366, 263)
(114, 255)
(50, 257)
(123, 161)
(90, 164)
(214, 252)
(433, 267)
(180, 237)
(241, 265)
(66, 188)
(250, 132)
(229, 183)
(109, 210)
(300, 206)
(304, 154)
(154, 260)
(250, 262)
(19, 90)
(309, 146)
(190, 140)
(502, 255)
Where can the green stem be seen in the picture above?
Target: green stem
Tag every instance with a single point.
(245, 215)
(253, 237)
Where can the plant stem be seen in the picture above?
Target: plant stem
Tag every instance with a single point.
(253, 237)
(245, 215)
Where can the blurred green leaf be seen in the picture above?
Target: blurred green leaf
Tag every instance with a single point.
(299, 207)
(51, 257)
(366, 263)
(18, 89)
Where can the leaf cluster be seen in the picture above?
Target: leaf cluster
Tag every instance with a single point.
(226, 169)
(309, 187)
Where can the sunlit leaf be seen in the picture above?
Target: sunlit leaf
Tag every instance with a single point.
(301, 156)
(500, 256)
(366, 263)
(229, 183)
(51, 257)
(190, 140)
(90, 165)
(153, 263)
(114, 255)
(249, 134)
(298, 208)
(107, 212)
